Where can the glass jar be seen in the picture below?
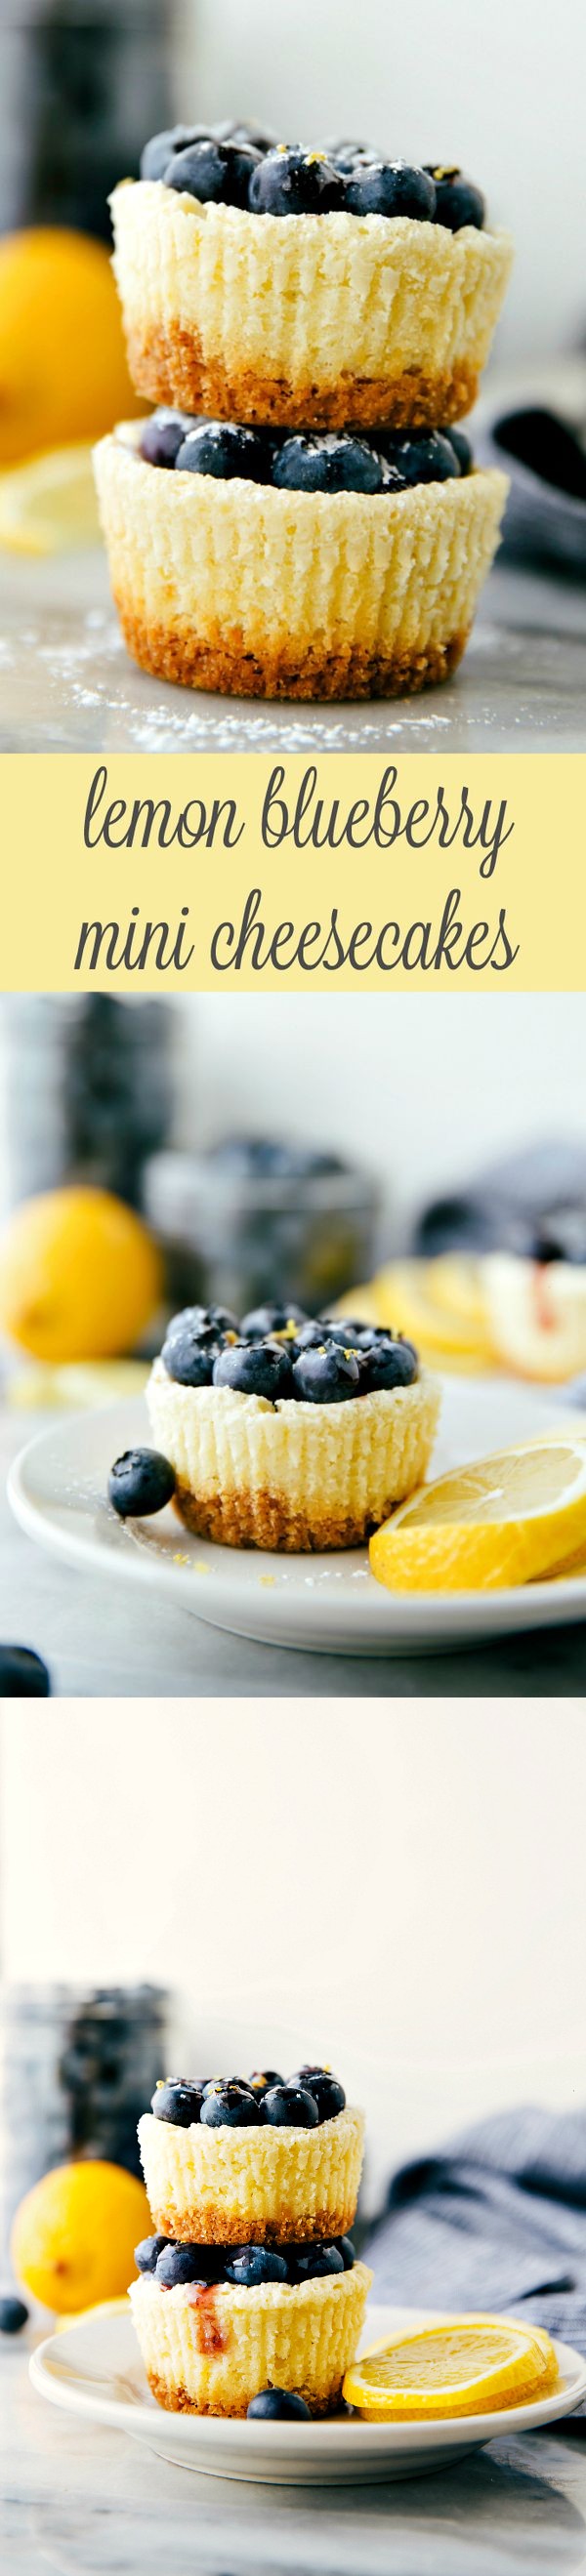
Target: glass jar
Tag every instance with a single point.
(77, 2068)
(237, 1230)
(84, 82)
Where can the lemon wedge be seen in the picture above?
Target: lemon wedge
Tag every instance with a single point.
(461, 2366)
(508, 1519)
(49, 504)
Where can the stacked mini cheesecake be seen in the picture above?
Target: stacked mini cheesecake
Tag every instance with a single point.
(249, 2288)
(299, 518)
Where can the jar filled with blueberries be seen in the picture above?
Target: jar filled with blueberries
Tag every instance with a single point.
(89, 1082)
(80, 2064)
(82, 82)
(257, 1219)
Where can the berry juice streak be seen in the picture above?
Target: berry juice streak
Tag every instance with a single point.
(209, 2336)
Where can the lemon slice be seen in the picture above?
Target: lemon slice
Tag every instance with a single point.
(437, 1304)
(506, 1520)
(49, 504)
(461, 2366)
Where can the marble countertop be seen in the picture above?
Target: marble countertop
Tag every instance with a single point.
(83, 2501)
(67, 684)
(94, 1649)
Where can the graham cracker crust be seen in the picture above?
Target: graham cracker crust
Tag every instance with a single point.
(225, 665)
(177, 2402)
(206, 2227)
(261, 1520)
(169, 365)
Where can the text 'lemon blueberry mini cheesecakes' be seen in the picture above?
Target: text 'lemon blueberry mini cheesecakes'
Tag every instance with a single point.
(269, 283)
(283, 1433)
(250, 2284)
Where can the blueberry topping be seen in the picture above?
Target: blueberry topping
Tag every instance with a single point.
(311, 1337)
(255, 1368)
(146, 2255)
(461, 447)
(214, 172)
(162, 436)
(160, 150)
(220, 448)
(23, 1675)
(457, 201)
(330, 464)
(278, 2402)
(231, 2106)
(252, 2264)
(178, 2263)
(13, 2315)
(329, 1376)
(391, 188)
(346, 1330)
(200, 1319)
(388, 1364)
(291, 182)
(314, 2262)
(290, 2106)
(264, 1320)
(179, 2103)
(141, 1481)
(188, 1355)
(428, 459)
(243, 133)
(328, 2094)
(346, 2249)
(261, 2083)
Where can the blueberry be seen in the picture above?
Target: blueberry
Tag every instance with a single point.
(141, 1481)
(189, 1355)
(310, 1337)
(335, 463)
(426, 459)
(346, 2249)
(252, 2264)
(391, 188)
(260, 2083)
(186, 2263)
(292, 182)
(457, 201)
(327, 2092)
(13, 2316)
(220, 448)
(290, 2106)
(275, 2402)
(146, 2255)
(263, 1320)
(200, 1319)
(344, 152)
(214, 172)
(345, 1329)
(243, 133)
(256, 1368)
(158, 152)
(161, 436)
(315, 2262)
(230, 2106)
(179, 2103)
(461, 447)
(388, 1364)
(23, 1675)
(326, 1377)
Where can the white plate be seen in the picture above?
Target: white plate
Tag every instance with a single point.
(94, 2368)
(329, 1604)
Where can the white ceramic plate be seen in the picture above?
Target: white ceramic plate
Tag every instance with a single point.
(94, 2368)
(329, 1604)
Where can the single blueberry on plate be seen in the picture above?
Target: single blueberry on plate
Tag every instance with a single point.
(278, 2402)
(326, 2090)
(256, 1368)
(161, 147)
(334, 463)
(252, 2264)
(146, 2255)
(216, 173)
(162, 436)
(231, 2106)
(221, 448)
(391, 188)
(13, 2315)
(141, 1481)
(317, 2262)
(461, 447)
(328, 1376)
(292, 182)
(23, 1675)
(457, 201)
(290, 2106)
(177, 2102)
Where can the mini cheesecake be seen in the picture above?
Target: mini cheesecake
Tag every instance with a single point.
(230, 2186)
(236, 586)
(209, 2350)
(314, 320)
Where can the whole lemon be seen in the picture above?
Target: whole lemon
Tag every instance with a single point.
(74, 2235)
(79, 1276)
(63, 370)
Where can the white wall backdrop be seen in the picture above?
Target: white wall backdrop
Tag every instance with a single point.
(400, 1891)
(500, 89)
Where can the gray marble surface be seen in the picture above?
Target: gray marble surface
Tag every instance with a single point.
(96, 1648)
(83, 2501)
(67, 684)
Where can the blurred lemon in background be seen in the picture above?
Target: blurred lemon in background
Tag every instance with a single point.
(63, 370)
(73, 2237)
(49, 504)
(80, 1276)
